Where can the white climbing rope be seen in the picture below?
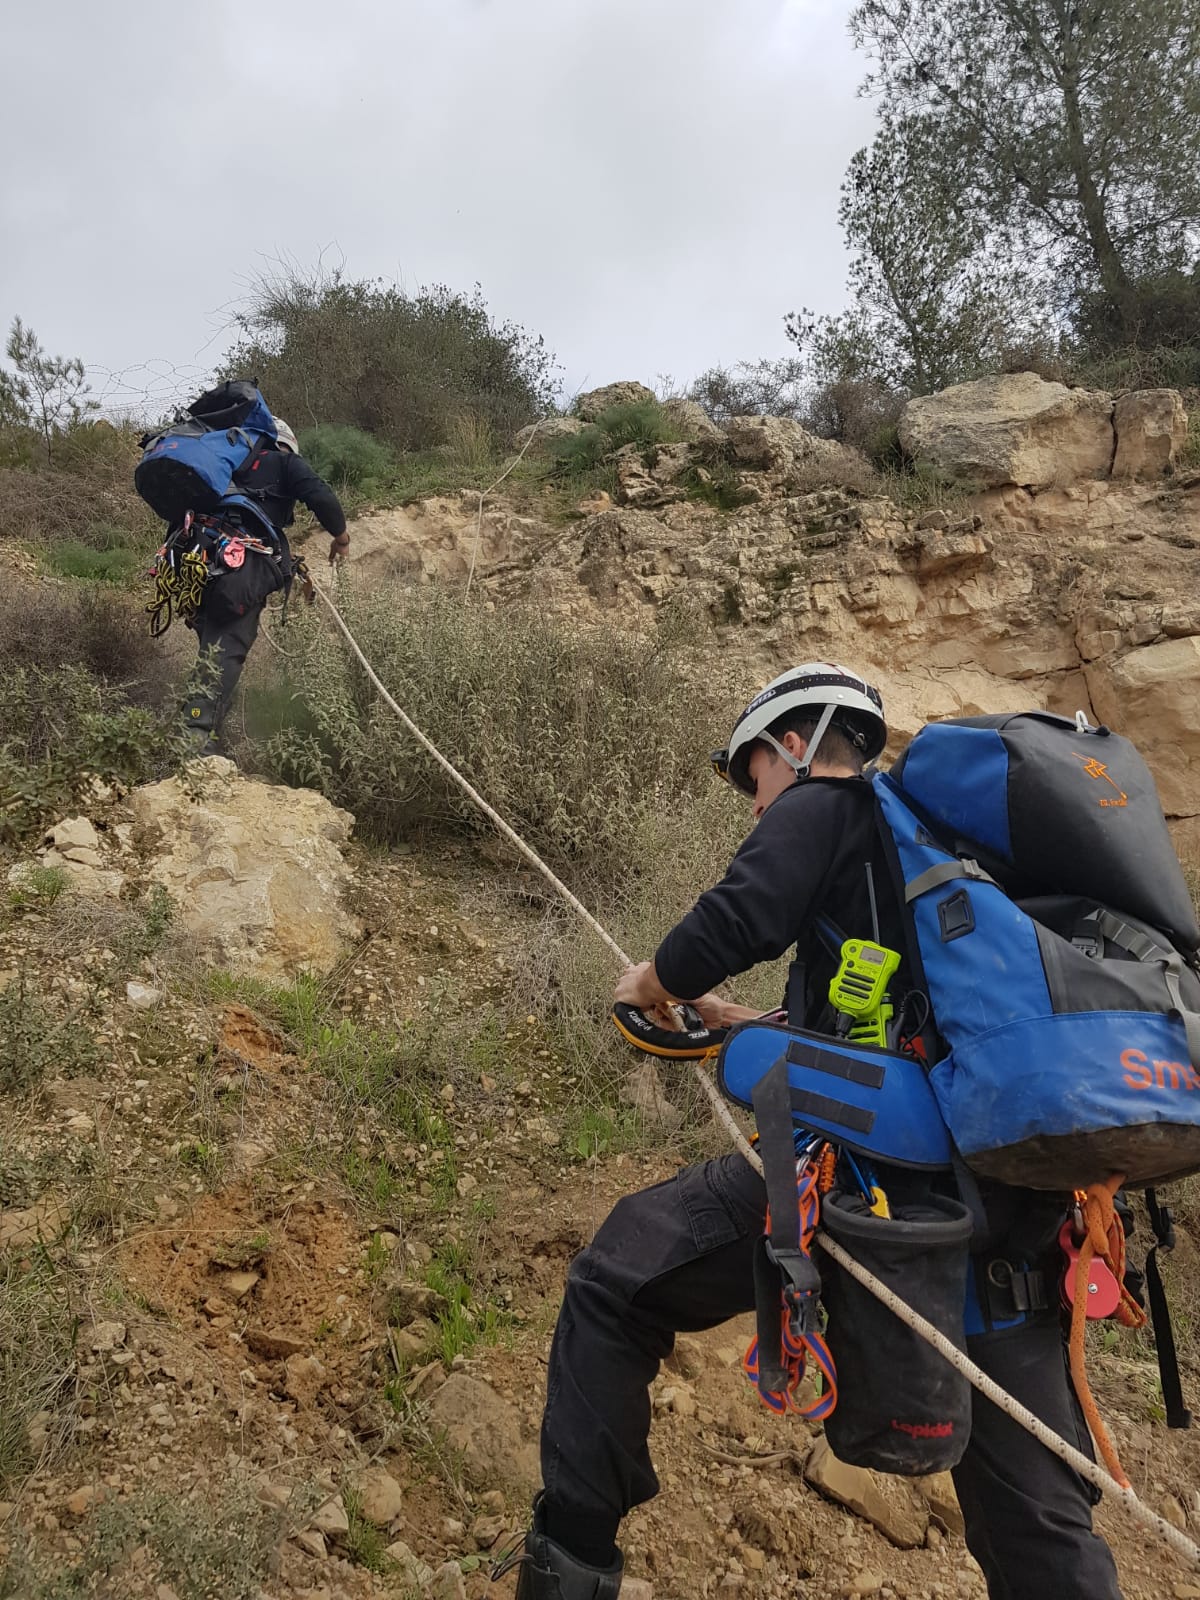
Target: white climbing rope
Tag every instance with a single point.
(1082, 1464)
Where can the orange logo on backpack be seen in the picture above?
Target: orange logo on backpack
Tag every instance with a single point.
(1097, 769)
(1142, 1073)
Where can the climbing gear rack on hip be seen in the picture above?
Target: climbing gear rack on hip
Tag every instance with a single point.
(201, 550)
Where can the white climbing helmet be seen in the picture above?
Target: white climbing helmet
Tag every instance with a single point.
(284, 435)
(831, 693)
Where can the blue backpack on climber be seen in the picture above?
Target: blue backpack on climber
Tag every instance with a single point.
(196, 462)
(1053, 936)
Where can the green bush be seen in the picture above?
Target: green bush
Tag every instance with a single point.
(643, 423)
(574, 735)
(347, 457)
(402, 366)
(119, 565)
(1163, 310)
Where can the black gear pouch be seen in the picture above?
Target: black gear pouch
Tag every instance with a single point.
(901, 1407)
(238, 590)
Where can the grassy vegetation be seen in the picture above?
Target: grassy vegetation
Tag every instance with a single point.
(366, 1545)
(470, 1318)
(37, 1365)
(917, 487)
(119, 564)
(37, 889)
(386, 1079)
(1188, 458)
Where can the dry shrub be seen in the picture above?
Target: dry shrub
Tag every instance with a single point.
(846, 470)
(46, 626)
(215, 1545)
(46, 505)
(567, 975)
(576, 735)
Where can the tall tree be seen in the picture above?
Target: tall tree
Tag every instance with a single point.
(1071, 126)
(934, 299)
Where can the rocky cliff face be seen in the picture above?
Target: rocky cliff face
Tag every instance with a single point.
(1069, 589)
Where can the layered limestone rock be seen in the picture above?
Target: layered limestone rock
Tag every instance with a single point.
(1077, 593)
(778, 445)
(433, 540)
(691, 421)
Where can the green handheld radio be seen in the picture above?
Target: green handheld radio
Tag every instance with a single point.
(858, 991)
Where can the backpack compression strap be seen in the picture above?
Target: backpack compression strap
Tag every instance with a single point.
(1141, 946)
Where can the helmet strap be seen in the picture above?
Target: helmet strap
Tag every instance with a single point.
(802, 769)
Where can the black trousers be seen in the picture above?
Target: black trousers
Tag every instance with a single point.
(676, 1258)
(228, 640)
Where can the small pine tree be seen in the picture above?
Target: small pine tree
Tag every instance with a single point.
(46, 393)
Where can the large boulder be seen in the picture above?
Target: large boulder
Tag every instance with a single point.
(436, 540)
(1151, 426)
(1151, 694)
(1012, 428)
(596, 401)
(255, 869)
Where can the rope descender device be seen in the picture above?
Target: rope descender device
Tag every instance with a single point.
(691, 1041)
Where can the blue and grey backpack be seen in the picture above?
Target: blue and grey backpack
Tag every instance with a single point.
(194, 465)
(1055, 938)
(1052, 932)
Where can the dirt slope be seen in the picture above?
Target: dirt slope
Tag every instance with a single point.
(274, 1288)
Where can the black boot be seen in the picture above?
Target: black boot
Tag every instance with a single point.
(548, 1572)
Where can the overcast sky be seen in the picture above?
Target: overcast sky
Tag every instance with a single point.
(651, 184)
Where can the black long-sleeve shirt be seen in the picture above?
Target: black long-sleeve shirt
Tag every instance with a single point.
(807, 857)
(277, 479)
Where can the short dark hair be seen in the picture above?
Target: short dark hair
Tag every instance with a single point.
(835, 745)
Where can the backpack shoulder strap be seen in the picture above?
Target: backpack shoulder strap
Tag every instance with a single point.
(242, 477)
